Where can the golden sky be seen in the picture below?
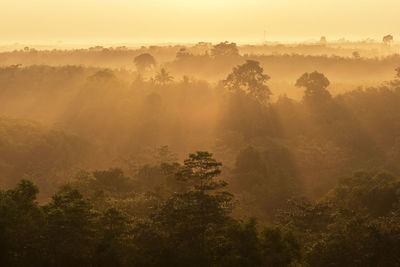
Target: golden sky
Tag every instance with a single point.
(155, 21)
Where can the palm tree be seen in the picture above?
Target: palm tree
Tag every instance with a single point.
(163, 77)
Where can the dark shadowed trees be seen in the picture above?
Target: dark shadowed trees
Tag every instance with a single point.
(265, 180)
(71, 225)
(115, 245)
(372, 194)
(354, 225)
(189, 223)
(195, 227)
(21, 227)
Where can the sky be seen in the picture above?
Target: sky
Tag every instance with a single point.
(163, 21)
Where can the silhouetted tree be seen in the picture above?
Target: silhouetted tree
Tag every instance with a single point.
(163, 77)
(144, 61)
(315, 84)
(200, 171)
(250, 78)
(387, 39)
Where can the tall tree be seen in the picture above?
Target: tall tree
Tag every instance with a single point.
(144, 61)
(315, 84)
(249, 78)
(387, 39)
(190, 222)
(163, 77)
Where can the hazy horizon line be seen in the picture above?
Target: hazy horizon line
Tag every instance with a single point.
(162, 42)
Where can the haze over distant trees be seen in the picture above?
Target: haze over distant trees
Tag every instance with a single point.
(144, 61)
(388, 39)
(200, 156)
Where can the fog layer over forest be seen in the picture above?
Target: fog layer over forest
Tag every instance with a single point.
(201, 155)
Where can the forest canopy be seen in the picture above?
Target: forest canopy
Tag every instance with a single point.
(201, 155)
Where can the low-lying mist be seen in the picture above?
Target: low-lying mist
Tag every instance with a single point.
(163, 156)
